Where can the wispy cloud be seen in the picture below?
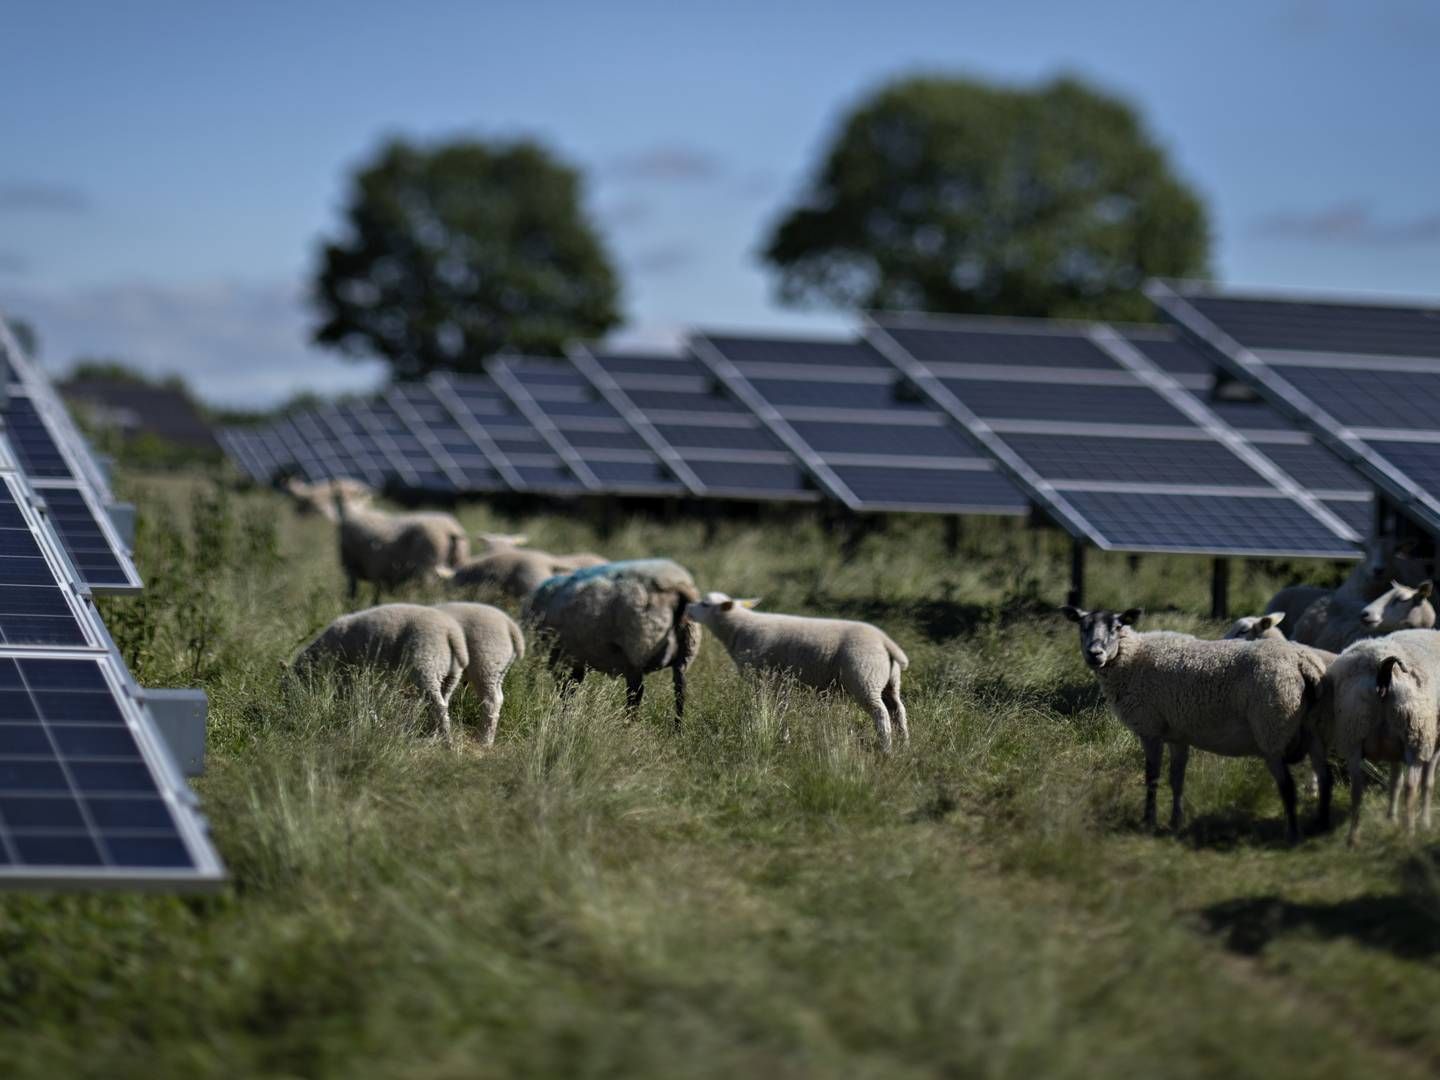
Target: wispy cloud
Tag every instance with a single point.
(1353, 223)
(627, 213)
(667, 163)
(19, 196)
(663, 259)
(236, 343)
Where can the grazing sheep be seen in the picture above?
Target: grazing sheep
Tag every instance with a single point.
(1235, 698)
(1257, 628)
(319, 497)
(392, 549)
(621, 618)
(1332, 622)
(426, 645)
(823, 653)
(1385, 558)
(514, 570)
(493, 642)
(1383, 696)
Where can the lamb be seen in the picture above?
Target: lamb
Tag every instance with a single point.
(859, 658)
(391, 549)
(516, 571)
(1257, 628)
(621, 618)
(1384, 696)
(319, 498)
(1235, 698)
(426, 645)
(1384, 558)
(1333, 622)
(493, 642)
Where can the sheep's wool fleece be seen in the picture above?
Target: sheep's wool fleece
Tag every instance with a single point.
(1237, 698)
(619, 618)
(492, 639)
(1406, 717)
(817, 652)
(516, 572)
(392, 635)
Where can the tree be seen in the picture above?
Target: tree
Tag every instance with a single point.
(458, 251)
(945, 194)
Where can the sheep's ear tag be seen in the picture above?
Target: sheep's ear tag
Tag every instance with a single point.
(1132, 616)
(753, 602)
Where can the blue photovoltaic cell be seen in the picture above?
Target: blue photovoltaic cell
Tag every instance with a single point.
(35, 450)
(1360, 516)
(1249, 416)
(1313, 467)
(648, 401)
(1420, 461)
(753, 477)
(814, 393)
(548, 477)
(1370, 398)
(84, 541)
(1206, 523)
(588, 439)
(1153, 461)
(33, 610)
(700, 436)
(993, 400)
(917, 487)
(922, 440)
(1320, 326)
(646, 475)
(821, 354)
(1173, 355)
(75, 792)
(937, 345)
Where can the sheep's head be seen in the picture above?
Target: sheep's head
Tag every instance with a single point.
(1101, 631)
(1256, 627)
(710, 605)
(1401, 608)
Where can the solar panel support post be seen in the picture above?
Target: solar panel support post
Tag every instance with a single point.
(954, 530)
(1076, 596)
(1220, 589)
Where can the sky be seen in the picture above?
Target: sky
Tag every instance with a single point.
(169, 170)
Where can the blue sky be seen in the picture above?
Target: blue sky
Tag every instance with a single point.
(168, 169)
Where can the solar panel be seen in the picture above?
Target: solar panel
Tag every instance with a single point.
(1115, 446)
(853, 423)
(707, 440)
(1363, 377)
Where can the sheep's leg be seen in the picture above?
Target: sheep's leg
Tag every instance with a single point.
(1179, 758)
(353, 587)
(375, 600)
(565, 680)
(881, 715)
(678, 674)
(1324, 778)
(891, 697)
(634, 694)
(1286, 783)
(1412, 782)
(1394, 791)
(491, 699)
(1427, 777)
(1357, 795)
(1154, 751)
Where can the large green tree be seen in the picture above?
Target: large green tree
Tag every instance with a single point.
(454, 252)
(947, 194)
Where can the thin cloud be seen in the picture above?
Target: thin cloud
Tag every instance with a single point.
(663, 259)
(627, 213)
(1352, 223)
(30, 197)
(667, 164)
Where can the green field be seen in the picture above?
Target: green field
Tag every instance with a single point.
(597, 898)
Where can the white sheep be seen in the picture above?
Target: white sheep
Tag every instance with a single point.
(621, 618)
(388, 550)
(514, 570)
(425, 645)
(859, 658)
(494, 642)
(1383, 697)
(1385, 558)
(1333, 622)
(1257, 628)
(319, 497)
(1234, 698)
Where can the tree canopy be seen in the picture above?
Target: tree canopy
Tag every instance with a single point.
(454, 252)
(947, 194)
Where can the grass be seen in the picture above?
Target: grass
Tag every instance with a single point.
(596, 898)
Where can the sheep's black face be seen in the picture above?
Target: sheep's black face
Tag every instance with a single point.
(1100, 632)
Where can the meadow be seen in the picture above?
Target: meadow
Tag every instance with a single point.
(593, 897)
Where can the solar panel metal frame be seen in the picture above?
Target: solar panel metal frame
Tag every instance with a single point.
(1051, 496)
(427, 438)
(519, 394)
(1172, 300)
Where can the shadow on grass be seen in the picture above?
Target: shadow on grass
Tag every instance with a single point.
(1396, 924)
(1235, 829)
(938, 620)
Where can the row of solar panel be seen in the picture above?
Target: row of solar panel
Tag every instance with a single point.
(904, 419)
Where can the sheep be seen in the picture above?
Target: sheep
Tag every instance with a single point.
(516, 571)
(1383, 696)
(1333, 622)
(319, 498)
(428, 646)
(1384, 558)
(391, 549)
(1235, 698)
(621, 618)
(1256, 628)
(493, 642)
(859, 658)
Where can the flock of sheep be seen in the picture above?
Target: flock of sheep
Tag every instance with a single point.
(1359, 679)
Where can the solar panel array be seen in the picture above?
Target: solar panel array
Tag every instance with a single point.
(1362, 376)
(1094, 424)
(89, 794)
